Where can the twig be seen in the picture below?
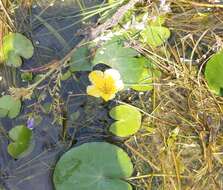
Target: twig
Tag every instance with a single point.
(115, 19)
(142, 157)
(207, 5)
(158, 175)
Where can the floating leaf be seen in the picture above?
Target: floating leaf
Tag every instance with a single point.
(80, 60)
(125, 60)
(21, 137)
(14, 46)
(214, 73)
(3, 113)
(9, 106)
(13, 59)
(128, 120)
(93, 166)
(155, 35)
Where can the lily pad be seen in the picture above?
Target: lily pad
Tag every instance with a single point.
(93, 166)
(9, 106)
(80, 60)
(15, 46)
(155, 35)
(214, 73)
(21, 137)
(128, 120)
(124, 59)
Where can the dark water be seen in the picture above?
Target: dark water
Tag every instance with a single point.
(54, 33)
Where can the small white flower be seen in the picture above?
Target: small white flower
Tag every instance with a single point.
(164, 6)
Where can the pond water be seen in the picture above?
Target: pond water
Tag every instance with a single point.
(54, 28)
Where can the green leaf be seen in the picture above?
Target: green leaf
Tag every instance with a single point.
(13, 59)
(21, 137)
(128, 120)
(3, 113)
(145, 82)
(155, 35)
(93, 166)
(148, 77)
(9, 106)
(14, 46)
(66, 75)
(27, 76)
(214, 73)
(125, 60)
(80, 60)
(111, 1)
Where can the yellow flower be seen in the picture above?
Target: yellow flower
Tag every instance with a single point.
(105, 84)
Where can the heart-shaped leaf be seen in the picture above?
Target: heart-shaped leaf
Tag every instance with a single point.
(9, 106)
(214, 73)
(80, 60)
(126, 60)
(14, 46)
(21, 137)
(93, 166)
(155, 35)
(128, 120)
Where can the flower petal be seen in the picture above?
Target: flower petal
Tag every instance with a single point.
(107, 97)
(110, 87)
(97, 78)
(105, 84)
(93, 91)
(112, 73)
(119, 85)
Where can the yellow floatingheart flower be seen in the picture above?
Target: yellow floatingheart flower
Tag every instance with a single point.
(105, 84)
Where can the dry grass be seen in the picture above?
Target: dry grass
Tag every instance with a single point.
(6, 25)
(184, 144)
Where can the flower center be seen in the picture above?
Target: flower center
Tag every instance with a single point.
(108, 86)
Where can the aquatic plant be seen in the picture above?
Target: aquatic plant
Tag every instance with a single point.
(96, 165)
(15, 46)
(21, 137)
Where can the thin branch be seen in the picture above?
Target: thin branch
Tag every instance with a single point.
(115, 19)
